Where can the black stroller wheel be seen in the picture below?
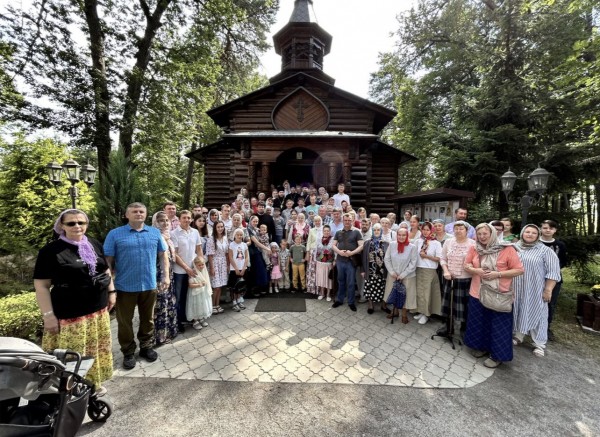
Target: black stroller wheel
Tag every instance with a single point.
(100, 409)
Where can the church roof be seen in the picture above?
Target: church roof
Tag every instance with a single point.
(383, 115)
(303, 12)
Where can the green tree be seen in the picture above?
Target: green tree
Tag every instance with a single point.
(116, 190)
(476, 88)
(97, 86)
(29, 203)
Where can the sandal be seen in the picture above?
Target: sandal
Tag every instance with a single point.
(516, 341)
(491, 363)
(404, 316)
(539, 352)
(386, 310)
(220, 310)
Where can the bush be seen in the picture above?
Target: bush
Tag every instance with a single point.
(20, 317)
(581, 253)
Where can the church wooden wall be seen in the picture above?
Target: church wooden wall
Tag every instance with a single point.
(373, 176)
(382, 181)
(344, 115)
(218, 177)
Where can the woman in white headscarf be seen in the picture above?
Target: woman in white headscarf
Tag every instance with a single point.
(165, 310)
(533, 290)
(314, 236)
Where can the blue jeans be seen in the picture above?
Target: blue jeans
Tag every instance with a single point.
(180, 288)
(346, 281)
(553, 302)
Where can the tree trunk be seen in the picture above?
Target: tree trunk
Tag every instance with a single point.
(101, 139)
(188, 181)
(596, 191)
(136, 76)
(588, 209)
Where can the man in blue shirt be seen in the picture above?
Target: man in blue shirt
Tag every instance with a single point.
(132, 251)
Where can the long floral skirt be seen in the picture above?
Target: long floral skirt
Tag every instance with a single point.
(311, 273)
(90, 336)
(165, 317)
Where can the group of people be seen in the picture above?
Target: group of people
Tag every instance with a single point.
(174, 272)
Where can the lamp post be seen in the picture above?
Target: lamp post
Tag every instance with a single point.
(73, 171)
(537, 183)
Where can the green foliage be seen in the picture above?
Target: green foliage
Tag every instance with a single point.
(148, 68)
(16, 268)
(581, 253)
(20, 317)
(29, 203)
(479, 89)
(116, 190)
(10, 99)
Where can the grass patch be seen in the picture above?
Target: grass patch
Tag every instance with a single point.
(565, 326)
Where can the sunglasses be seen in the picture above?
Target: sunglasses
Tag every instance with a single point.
(71, 224)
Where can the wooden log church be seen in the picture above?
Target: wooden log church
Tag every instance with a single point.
(303, 129)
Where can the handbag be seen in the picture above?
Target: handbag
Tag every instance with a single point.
(101, 281)
(494, 300)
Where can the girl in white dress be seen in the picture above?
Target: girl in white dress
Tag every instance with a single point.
(199, 305)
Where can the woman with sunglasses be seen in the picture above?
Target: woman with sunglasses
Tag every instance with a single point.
(75, 293)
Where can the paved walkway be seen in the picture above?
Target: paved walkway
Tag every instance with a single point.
(322, 345)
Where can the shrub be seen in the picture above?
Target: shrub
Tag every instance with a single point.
(20, 317)
(581, 251)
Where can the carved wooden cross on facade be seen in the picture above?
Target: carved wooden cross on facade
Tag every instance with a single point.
(300, 107)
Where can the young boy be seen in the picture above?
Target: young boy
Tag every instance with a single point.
(289, 207)
(279, 225)
(549, 228)
(297, 258)
(284, 264)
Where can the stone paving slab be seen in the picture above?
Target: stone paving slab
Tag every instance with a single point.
(322, 345)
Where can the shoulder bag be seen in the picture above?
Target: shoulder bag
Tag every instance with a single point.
(494, 300)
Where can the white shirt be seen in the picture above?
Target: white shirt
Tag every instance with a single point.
(185, 243)
(239, 254)
(434, 248)
(338, 198)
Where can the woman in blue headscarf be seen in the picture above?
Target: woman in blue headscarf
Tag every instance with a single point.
(375, 271)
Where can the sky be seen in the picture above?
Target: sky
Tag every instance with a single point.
(361, 29)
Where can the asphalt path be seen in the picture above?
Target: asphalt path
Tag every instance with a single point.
(558, 395)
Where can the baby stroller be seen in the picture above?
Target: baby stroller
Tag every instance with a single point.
(45, 394)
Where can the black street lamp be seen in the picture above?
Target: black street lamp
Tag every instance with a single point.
(537, 183)
(73, 171)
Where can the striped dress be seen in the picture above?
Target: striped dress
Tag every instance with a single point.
(530, 312)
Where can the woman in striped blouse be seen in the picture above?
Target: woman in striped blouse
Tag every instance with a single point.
(533, 290)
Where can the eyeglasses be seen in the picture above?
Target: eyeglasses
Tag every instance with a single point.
(71, 224)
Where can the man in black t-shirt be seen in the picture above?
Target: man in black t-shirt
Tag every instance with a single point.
(549, 228)
(266, 219)
(346, 243)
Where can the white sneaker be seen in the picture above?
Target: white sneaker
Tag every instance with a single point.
(328, 299)
(424, 319)
(204, 322)
(236, 308)
(197, 325)
(276, 289)
(320, 298)
(418, 316)
(241, 305)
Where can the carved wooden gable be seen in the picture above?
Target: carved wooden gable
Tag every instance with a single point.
(300, 110)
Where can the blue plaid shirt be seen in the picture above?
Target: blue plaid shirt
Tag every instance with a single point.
(135, 254)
